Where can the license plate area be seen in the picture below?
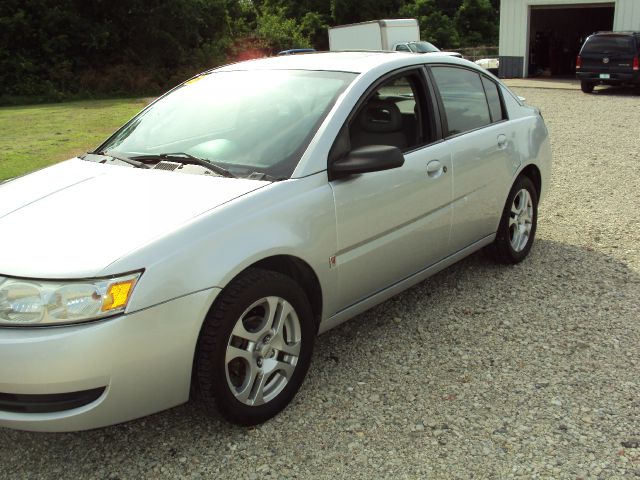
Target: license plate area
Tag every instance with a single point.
(605, 76)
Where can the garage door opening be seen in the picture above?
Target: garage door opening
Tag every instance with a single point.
(557, 33)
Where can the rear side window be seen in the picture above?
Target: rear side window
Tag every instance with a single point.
(493, 99)
(609, 44)
(463, 97)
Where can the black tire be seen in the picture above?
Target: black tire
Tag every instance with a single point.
(502, 250)
(211, 374)
(587, 87)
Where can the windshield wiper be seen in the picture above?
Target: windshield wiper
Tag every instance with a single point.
(123, 159)
(189, 159)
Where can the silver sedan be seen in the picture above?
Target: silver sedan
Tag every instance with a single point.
(204, 245)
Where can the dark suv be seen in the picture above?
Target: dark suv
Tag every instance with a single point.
(609, 58)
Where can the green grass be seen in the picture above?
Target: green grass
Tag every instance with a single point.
(33, 137)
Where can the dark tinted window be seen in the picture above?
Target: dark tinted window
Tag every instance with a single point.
(402, 48)
(609, 44)
(465, 104)
(493, 98)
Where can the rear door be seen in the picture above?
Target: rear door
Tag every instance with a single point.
(392, 224)
(481, 143)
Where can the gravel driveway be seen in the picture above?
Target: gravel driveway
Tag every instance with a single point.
(483, 371)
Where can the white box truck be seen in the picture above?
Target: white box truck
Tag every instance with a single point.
(374, 35)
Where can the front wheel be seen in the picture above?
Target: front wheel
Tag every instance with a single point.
(255, 347)
(586, 87)
(517, 228)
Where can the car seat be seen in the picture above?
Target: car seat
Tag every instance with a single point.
(379, 123)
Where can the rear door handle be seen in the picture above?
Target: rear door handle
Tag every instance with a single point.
(435, 169)
(502, 141)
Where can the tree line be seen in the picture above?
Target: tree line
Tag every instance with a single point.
(55, 49)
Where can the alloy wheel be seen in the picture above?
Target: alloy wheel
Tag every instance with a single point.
(521, 220)
(263, 350)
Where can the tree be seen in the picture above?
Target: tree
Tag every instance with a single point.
(296, 9)
(477, 23)
(51, 47)
(448, 7)
(279, 32)
(435, 26)
(349, 11)
(314, 26)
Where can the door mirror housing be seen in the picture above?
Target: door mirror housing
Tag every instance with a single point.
(372, 158)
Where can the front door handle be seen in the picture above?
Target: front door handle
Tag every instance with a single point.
(435, 169)
(502, 141)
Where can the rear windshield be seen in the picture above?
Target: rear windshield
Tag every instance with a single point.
(423, 47)
(609, 44)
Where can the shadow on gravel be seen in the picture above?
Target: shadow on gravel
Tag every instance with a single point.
(557, 286)
(616, 91)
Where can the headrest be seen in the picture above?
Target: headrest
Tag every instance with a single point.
(380, 116)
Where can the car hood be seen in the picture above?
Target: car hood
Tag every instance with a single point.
(74, 219)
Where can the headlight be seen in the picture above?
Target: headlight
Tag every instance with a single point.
(43, 302)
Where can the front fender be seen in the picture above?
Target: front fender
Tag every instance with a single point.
(294, 217)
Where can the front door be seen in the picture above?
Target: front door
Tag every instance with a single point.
(394, 223)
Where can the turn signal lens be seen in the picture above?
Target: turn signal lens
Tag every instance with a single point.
(118, 295)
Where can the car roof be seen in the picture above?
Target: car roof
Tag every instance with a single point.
(351, 61)
(616, 34)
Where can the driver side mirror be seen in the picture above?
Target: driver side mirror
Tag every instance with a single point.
(372, 158)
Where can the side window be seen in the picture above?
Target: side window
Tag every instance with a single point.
(493, 98)
(392, 115)
(463, 97)
(402, 48)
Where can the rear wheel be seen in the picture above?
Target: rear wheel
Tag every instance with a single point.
(586, 87)
(255, 347)
(517, 228)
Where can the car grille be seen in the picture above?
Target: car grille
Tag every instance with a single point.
(166, 166)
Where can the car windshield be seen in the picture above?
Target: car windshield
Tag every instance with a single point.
(423, 47)
(609, 44)
(245, 121)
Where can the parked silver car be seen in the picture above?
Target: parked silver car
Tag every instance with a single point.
(204, 245)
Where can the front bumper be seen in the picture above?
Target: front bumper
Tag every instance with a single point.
(135, 364)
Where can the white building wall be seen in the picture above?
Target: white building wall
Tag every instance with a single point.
(514, 25)
(627, 15)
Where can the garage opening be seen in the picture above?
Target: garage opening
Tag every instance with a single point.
(557, 33)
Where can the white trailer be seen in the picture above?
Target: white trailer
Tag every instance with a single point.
(374, 35)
